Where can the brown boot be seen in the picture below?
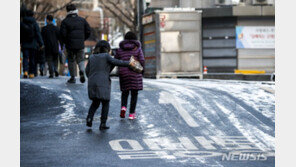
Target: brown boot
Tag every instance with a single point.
(25, 74)
(31, 76)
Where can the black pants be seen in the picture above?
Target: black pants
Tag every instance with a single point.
(41, 67)
(95, 105)
(75, 56)
(134, 98)
(52, 62)
(29, 60)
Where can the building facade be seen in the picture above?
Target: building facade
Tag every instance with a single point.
(237, 35)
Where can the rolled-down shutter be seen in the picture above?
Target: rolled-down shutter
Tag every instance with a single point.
(219, 49)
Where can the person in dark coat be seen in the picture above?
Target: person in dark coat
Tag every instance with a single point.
(98, 69)
(130, 81)
(51, 37)
(74, 31)
(31, 41)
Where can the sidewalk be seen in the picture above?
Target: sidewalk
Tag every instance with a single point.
(232, 76)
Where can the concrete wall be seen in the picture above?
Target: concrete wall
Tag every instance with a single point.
(253, 10)
(256, 21)
(197, 3)
(164, 3)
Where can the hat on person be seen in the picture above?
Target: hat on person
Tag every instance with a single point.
(70, 7)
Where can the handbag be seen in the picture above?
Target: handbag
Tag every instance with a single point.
(136, 65)
(62, 57)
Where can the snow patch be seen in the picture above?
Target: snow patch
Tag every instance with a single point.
(252, 133)
(47, 88)
(67, 97)
(68, 116)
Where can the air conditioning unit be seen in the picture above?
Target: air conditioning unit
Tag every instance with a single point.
(241, 2)
(263, 2)
(226, 2)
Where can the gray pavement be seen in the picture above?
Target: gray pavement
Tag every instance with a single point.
(181, 122)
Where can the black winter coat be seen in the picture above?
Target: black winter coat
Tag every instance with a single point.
(37, 41)
(40, 56)
(98, 71)
(74, 31)
(51, 36)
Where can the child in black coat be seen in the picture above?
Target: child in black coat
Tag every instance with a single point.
(98, 69)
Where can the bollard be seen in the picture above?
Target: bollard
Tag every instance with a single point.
(205, 70)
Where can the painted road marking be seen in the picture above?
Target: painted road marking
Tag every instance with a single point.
(116, 145)
(166, 98)
(145, 155)
(268, 89)
(165, 143)
(230, 148)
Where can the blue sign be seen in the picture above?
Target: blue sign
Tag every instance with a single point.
(253, 37)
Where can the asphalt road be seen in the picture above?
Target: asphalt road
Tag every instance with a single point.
(180, 122)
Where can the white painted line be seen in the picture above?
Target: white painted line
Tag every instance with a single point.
(166, 98)
(267, 89)
(135, 145)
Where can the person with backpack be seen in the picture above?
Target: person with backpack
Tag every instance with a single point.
(51, 36)
(130, 81)
(31, 41)
(74, 31)
(98, 69)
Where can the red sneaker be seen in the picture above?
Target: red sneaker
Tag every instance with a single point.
(122, 112)
(132, 116)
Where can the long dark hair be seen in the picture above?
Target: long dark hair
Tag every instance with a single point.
(130, 36)
(102, 47)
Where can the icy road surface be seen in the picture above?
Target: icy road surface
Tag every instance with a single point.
(180, 122)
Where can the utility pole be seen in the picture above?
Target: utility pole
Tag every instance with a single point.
(140, 14)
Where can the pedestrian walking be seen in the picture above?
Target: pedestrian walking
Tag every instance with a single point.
(51, 37)
(98, 69)
(130, 81)
(31, 41)
(74, 31)
(40, 61)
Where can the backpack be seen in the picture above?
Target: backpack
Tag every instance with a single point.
(28, 32)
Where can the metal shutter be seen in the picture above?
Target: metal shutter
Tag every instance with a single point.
(219, 49)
